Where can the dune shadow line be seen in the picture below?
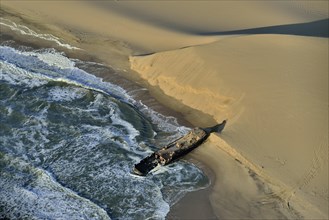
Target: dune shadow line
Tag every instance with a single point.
(319, 28)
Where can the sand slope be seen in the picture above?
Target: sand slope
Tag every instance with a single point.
(274, 91)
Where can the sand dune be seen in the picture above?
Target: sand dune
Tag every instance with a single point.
(261, 64)
(207, 16)
(273, 89)
(166, 25)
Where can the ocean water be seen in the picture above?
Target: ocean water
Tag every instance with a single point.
(69, 140)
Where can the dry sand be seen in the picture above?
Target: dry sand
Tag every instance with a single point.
(209, 61)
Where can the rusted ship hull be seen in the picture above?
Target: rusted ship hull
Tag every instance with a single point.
(176, 149)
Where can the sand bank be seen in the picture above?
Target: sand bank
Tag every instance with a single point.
(273, 88)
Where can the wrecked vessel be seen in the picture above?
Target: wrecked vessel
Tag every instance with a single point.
(176, 149)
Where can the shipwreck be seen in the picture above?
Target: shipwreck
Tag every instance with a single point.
(176, 149)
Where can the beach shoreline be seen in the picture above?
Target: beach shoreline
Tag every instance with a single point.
(187, 104)
(134, 83)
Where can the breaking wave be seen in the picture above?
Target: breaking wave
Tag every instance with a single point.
(69, 141)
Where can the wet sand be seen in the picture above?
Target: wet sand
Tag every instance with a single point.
(269, 78)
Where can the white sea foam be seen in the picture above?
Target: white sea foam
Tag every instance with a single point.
(159, 169)
(9, 110)
(21, 29)
(66, 94)
(18, 76)
(52, 58)
(75, 76)
(133, 133)
(165, 123)
(72, 75)
(105, 167)
(37, 66)
(39, 196)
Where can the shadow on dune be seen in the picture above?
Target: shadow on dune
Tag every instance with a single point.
(315, 29)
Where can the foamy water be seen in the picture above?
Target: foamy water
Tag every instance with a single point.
(69, 141)
(24, 30)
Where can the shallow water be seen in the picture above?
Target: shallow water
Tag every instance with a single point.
(68, 142)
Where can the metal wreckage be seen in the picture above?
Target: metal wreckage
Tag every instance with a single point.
(176, 149)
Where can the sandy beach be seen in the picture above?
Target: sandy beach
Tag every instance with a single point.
(261, 65)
